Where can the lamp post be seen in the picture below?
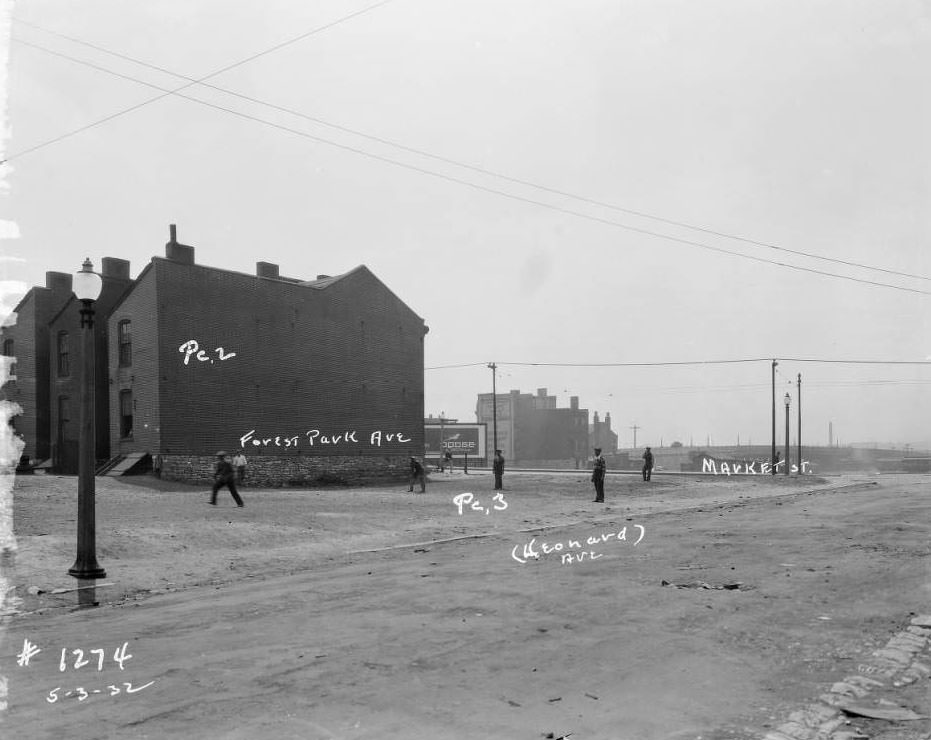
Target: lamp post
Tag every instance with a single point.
(87, 286)
(788, 401)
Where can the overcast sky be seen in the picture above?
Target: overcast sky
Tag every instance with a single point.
(799, 124)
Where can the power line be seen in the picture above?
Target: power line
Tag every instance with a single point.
(220, 71)
(475, 186)
(457, 163)
(465, 364)
(691, 362)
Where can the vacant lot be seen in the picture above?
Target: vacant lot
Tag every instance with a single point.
(373, 613)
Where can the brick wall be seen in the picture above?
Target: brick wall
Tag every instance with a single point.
(141, 377)
(279, 471)
(345, 358)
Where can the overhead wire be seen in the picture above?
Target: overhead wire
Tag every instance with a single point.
(430, 155)
(200, 80)
(476, 186)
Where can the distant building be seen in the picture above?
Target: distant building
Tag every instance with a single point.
(28, 342)
(314, 380)
(532, 430)
(600, 434)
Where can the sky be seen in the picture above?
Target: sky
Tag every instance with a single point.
(622, 185)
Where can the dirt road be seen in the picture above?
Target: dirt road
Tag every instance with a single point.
(321, 614)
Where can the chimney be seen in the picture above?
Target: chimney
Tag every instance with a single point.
(541, 392)
(113, 267)
(176, 251)
(608, 420)
(574, 403)
(266, 269)
(596, 417)
(60, 282)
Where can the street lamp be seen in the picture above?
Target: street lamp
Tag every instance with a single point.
(87, 286)
(788, 401)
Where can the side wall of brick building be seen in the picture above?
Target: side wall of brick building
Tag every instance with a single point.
(140, 377)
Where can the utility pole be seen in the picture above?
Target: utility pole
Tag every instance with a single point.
(635, 428)
(788, 460)
(442, 442)
(772, 458)
(494, 407)
(799, 440)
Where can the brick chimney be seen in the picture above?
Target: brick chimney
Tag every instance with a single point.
(113, 267)
(608, 420)
(574, 403)
(60, 282)
(176, 251)
(596, 417)
(266, 269)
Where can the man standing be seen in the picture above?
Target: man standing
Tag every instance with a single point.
(417, 474)
(647, 464)
(598, 476)
(448, 459)
(239, 462)
(498, 468)
(224, 476)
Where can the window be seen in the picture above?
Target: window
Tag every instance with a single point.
(64, 355)
(125, 342)
(126, 414)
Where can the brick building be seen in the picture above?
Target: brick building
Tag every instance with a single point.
(64, 353)
(318, 380)
(28, 342)
(600, 434)
(533, 431)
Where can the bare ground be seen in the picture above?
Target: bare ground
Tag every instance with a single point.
(368, 613)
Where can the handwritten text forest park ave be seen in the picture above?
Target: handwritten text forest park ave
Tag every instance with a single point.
(316, 439)
(576, 553)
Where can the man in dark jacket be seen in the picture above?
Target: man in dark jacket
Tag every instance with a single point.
(417, 474)
(498, 468)
(647, 464)
(224, 476)
(599, 466)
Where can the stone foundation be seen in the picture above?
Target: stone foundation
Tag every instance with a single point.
(306, 471)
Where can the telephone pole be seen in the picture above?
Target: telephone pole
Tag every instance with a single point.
(494, 407)
(799, 439)
(772, 457)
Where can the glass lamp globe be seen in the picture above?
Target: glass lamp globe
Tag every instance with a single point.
(87, 284)
(787, 400)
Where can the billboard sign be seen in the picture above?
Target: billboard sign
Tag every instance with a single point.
(459, 439)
